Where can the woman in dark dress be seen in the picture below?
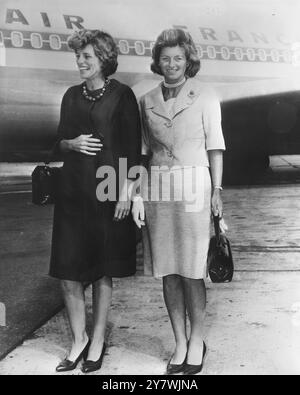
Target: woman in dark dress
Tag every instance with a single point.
(93, 235)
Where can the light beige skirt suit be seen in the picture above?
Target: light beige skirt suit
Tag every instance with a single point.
(177, 188)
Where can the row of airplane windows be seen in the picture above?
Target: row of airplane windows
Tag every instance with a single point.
(140, 48)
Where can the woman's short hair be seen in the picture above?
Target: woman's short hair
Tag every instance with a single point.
(172, 38)
(104, 46)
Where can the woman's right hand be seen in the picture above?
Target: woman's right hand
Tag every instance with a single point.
(138, 212)
(85, 144)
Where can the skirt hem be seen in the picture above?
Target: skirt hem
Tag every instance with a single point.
(89, 280)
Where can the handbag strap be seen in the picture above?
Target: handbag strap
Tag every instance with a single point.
(216, 219)
(51, 154)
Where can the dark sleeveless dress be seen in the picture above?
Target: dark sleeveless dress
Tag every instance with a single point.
(86, 243)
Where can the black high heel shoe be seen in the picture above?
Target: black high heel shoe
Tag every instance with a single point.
(66, 364)
(91, 366)
(173, 368)
(194, 369)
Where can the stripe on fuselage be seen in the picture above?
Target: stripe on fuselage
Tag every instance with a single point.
(57, 42)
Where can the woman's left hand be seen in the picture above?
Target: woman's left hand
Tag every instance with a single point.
(122, 210)
(217, 204)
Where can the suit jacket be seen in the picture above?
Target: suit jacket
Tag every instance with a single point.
(181, 137)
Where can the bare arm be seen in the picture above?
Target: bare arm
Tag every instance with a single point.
(216, 167)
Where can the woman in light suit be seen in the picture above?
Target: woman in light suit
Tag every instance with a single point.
(183, 138)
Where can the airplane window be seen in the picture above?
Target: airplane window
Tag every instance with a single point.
(1, 38)
(211, 52)
(225, 52)
(250, 54)
(17, 39)
(67, 40)
(124, 47)
(200, 51)
(139, 47)
(36, 40)
(55, 42)
(275, 55)
(238, 53)
(262, 54)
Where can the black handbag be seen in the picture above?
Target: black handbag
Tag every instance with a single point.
(45, 184)
(219, 260)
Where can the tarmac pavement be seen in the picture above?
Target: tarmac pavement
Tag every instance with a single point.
(252, 325)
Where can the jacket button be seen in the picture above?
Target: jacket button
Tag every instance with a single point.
(170, 154)
(168, 124)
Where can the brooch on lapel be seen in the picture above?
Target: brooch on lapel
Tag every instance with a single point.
(191, 94)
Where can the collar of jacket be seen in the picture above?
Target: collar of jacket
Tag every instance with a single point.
(186, 97)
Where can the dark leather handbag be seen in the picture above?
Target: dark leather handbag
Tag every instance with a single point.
(45, 185)
(219, 260)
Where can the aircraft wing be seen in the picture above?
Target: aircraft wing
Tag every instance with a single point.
(257, 88)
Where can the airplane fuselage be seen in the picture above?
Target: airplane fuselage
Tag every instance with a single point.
(36, 65)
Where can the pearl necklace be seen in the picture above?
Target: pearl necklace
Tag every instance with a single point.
(166, 85)
(100, 94)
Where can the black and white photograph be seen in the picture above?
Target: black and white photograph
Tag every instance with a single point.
(149, 190)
